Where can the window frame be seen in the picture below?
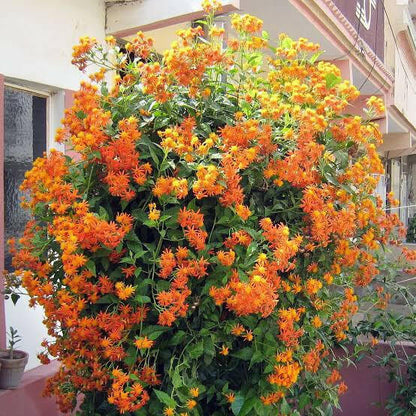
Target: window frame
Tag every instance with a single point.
(55, 104)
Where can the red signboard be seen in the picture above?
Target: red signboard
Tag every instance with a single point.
(367, 18)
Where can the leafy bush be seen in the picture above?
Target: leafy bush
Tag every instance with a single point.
(411, 230)
(200, 256)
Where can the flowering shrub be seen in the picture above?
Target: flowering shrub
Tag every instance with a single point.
(200, 256)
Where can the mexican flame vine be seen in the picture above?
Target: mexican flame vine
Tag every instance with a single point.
(201, 256)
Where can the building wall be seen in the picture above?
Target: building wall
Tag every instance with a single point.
(36, 38)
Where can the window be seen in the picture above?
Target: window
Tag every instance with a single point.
(25, 135)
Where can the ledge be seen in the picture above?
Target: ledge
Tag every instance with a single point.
(27, 398)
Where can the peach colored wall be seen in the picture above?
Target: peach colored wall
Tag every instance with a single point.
(368, 385)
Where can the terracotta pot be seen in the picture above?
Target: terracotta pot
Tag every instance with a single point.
(11, 370)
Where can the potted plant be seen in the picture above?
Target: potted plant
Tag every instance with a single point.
(13, 362)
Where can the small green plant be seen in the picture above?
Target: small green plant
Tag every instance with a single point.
(14, 338)
(411, 230)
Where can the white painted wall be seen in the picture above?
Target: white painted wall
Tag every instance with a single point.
(36, 38)
(28, 322)
(405, 89)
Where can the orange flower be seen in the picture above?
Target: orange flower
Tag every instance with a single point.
(190, 218)
(190, 404)
(237, 329)
(334, 377)
(167, 263)
(194, 391)
(211, 6)
(248, 336)
(342, 388)
(272, 398)
(124, 291)
(285, 375)
(230, 397)
(243, 211)
(226, 258)
(246, 23)
(224, 350)
(312, 286)
(168, 411)
(154, 214)
(285, 357)
(143, 343)
(316, 321)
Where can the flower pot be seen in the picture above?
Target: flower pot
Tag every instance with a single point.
(11, 370)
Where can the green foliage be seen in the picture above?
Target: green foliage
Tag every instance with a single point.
(411, 230)
(14, 338)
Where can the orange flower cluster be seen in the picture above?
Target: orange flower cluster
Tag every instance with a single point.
(283, 247)
(285, 375)
(192, 223)
(140, 45)
(168, 186)
(120, 157)
(127, 399)
(207, 183)
(84, 121)
(288, 334)
(312, 359)
(258, 295)
(173, 301)
(189, 58)
(80, 52)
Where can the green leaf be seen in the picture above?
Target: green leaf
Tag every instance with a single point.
(247, 406)
(165, 398)
(177, 338)
(139, 253)
(196, 350)
(134, 246)
(108, 299)
(81, 115)
(315, 56)
(285, 408)
(131, 356)
(304, 400)
(329, 410)
(244, 354)
(255, 59)
(332, 80)
(103, 213)
(256, 358)
(14, 298)
(177, 380)
(154, 331)
(237, 404)
(90, 265)
(142, 299)
(287, 43)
